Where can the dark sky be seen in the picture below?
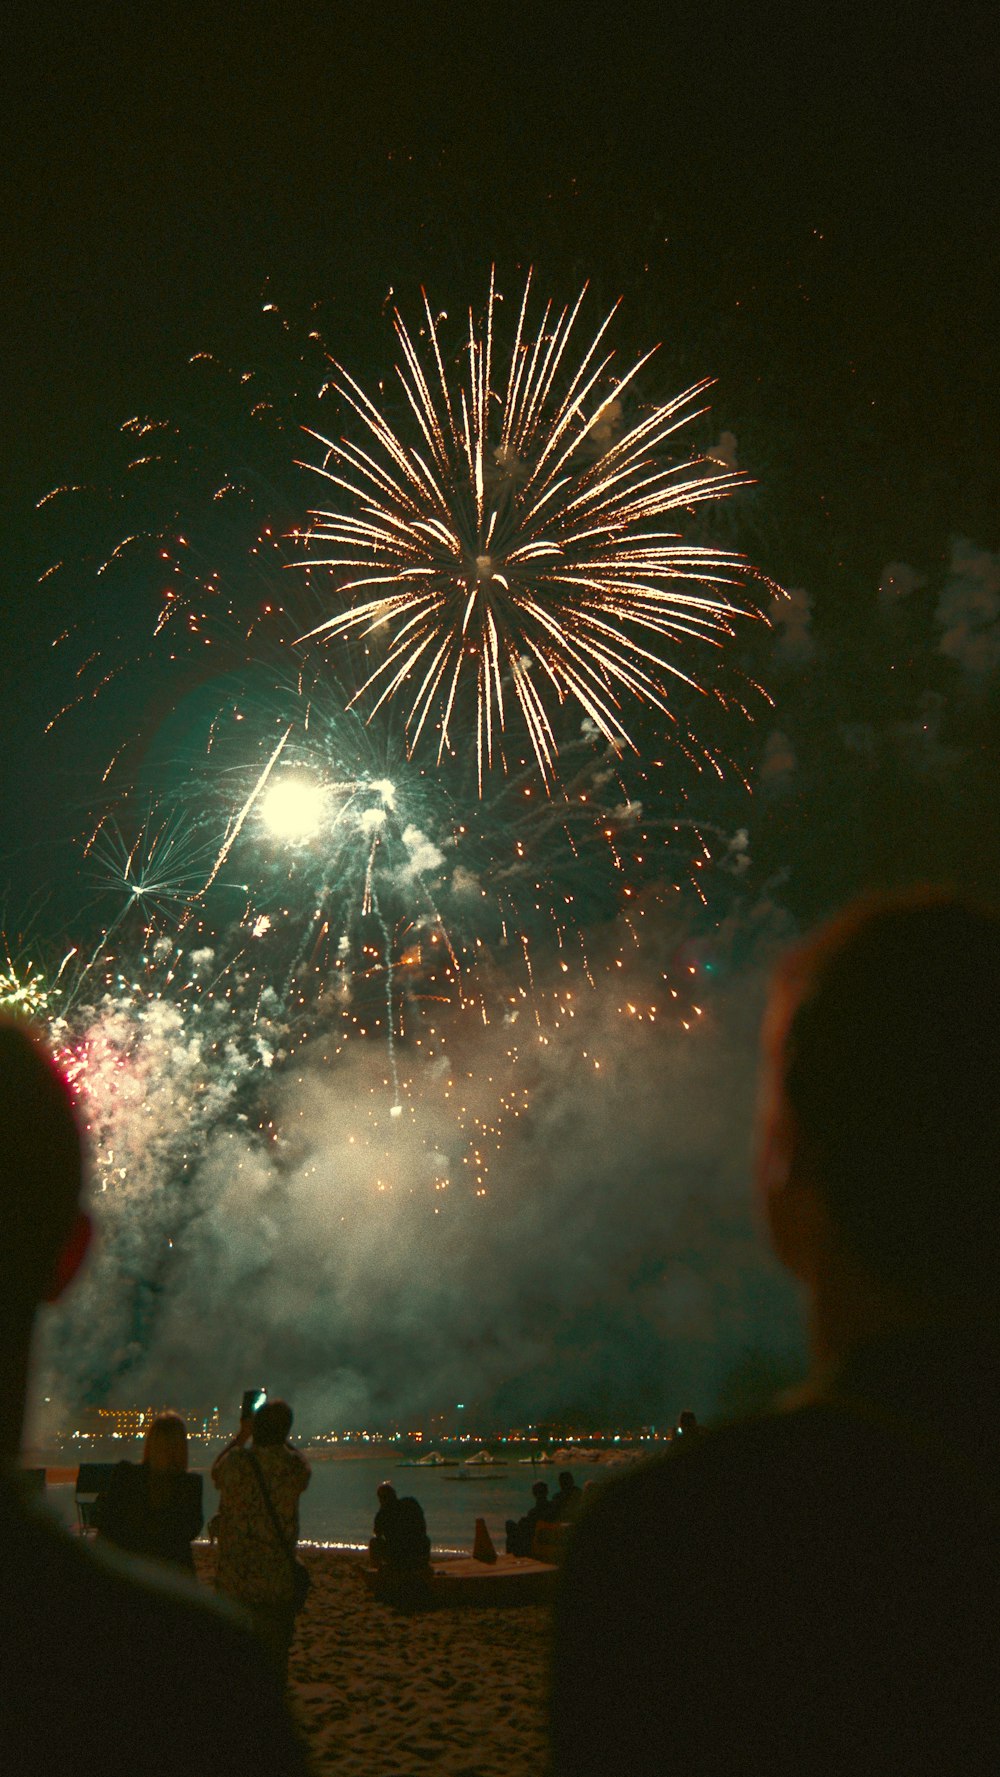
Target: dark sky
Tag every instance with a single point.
(823, 181)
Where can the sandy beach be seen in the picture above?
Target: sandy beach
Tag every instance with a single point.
(457, 1690)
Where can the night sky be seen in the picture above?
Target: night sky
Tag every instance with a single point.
(802, 205)
(800, 202)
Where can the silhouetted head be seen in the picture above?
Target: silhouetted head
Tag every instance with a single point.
(385, 1492)
(541, 1490)
(687, 1422)
(882, 1059)
(166, 1444)
(271, 1424)
(43, 1235)
(566, 1482)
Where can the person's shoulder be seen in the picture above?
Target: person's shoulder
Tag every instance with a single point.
(718, 1446)
(293, 1460)
(229, 1461)
(113, 1592)
(137, 1644)
(728, 1465)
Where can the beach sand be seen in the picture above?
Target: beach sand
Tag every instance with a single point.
(458, 1690)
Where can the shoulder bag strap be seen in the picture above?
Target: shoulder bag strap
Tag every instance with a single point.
(269, 1503)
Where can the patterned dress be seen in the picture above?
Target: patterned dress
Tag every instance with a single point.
(253, 1568)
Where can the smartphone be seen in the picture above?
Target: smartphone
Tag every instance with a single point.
(252, 1399)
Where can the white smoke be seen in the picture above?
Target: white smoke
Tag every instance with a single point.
(791, 617)
(968, 611)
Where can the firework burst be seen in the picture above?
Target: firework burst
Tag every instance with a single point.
(519, 548)
(160, 872)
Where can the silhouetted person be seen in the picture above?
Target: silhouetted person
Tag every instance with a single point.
(400, 1547)
(521, 1531)
(568, 1500)
(399, 1532)
(257, 1541)
(388, 1501)
(687, 1430)
(819, 1590)
(102, 1669)
(378, 1546)
(153, 1508)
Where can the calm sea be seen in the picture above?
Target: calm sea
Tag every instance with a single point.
(339, 1504)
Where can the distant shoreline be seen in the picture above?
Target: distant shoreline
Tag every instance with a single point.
(61, 1468)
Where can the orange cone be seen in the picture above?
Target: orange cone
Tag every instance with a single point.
(482, 1548)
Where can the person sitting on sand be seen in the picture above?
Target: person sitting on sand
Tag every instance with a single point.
(399, 1534)
(102, 1667)
(153, 1508)
(521, 1531)
(256, 1555)
(569, 1499)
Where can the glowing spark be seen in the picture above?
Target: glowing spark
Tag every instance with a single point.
(293, 807)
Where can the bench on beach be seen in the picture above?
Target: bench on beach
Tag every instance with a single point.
(461, 1580)
(511, 1579)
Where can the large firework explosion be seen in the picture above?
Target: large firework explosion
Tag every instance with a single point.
(521, 542)
(404, 858)
(283, 874)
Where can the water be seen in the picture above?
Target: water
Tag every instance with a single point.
(339, 1504)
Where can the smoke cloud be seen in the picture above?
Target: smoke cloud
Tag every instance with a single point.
(612, 1265)
(968, 611)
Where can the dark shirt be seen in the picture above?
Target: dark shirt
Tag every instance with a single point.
(156, 1517)
(108, 1669)
(402, 1526)
(521, 1536)
(566, 1504)
(817, 1591)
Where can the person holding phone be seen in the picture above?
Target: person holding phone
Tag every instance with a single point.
(258, 1521)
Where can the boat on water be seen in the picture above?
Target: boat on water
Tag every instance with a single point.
(485, 1459)
(433, 1459)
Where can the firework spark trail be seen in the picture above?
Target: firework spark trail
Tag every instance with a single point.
(390, 1010)
(514, 536)
(161, 871)
(236, 828)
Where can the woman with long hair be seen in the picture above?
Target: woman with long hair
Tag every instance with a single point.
(153, 1508)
